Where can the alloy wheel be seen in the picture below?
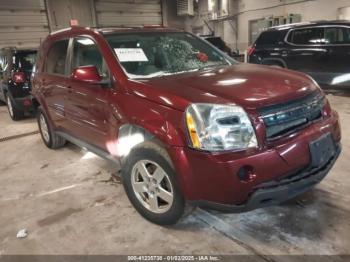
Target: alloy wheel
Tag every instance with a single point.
(10, 107)
(44, 129)
(152, 186)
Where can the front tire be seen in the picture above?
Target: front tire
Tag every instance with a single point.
(14, 113)
(150, 182)
(48, 135)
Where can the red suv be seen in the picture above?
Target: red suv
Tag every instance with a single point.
(187, 123)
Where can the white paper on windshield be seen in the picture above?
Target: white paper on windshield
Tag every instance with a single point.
(131, 55)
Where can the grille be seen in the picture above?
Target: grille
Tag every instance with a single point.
(283, 119)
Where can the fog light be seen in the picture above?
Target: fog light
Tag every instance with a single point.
(246, 174)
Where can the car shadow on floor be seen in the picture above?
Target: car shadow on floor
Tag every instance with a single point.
(304, 220)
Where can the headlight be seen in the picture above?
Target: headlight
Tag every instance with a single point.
(214, 127)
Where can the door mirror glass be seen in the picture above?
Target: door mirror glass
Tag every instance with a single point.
(88, 74)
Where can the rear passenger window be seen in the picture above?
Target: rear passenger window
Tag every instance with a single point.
(337, 35)
(56, 58)
(307, 36)
(86, 53)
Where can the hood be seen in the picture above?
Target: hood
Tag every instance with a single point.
(247, 85)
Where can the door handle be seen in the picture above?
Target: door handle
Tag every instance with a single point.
(69, 89)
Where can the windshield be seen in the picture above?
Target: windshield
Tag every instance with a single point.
(146, 55)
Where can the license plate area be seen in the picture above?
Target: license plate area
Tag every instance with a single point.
(322, 150)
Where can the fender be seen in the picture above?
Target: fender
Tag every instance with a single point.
(156, 120)
(130, 135)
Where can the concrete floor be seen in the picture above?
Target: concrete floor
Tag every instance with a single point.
(71, 203)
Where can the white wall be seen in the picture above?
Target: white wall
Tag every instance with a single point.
(247, 10)
(344, 13)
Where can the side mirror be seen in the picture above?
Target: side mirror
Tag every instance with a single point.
(88, 74)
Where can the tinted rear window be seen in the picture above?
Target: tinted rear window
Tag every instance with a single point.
(307, 36)
(270, 38)
(24, 61)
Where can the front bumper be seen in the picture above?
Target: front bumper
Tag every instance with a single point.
(274, 193)
(211, 180)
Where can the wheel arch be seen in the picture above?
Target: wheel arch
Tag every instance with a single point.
(131, 135)
(36, 103)
(271, 61)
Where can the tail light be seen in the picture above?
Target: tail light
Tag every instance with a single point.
(27, 102)
(250, 50)
(19, 77)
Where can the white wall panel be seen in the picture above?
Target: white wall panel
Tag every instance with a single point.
(128, 13)
(23, 23)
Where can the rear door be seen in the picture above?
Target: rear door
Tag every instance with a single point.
(307, 52)
(52, 81)
(87, 109)
(337, 40)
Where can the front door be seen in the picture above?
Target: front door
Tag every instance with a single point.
(87, 109)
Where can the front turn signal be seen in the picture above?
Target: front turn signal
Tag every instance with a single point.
(192, 131)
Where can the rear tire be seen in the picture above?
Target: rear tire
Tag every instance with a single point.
(48, 135)
(14, 113)
(150, 183)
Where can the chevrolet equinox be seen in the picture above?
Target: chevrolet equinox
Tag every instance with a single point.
(186, 123)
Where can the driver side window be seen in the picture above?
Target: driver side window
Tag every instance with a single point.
(86, 53)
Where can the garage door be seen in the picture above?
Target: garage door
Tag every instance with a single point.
(23, 23)
(128, 12)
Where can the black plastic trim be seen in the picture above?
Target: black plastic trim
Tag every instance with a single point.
(100, 152)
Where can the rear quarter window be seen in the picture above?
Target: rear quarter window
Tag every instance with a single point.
(270, 38)
(337, 35)
(56, 58)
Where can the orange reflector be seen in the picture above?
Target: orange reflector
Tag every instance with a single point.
(192, 129)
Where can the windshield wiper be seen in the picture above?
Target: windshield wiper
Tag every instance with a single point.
(213, 65)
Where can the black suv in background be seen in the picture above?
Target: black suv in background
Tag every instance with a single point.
(218, 43)
(221, 45)
(320, 49)
(15, 71)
